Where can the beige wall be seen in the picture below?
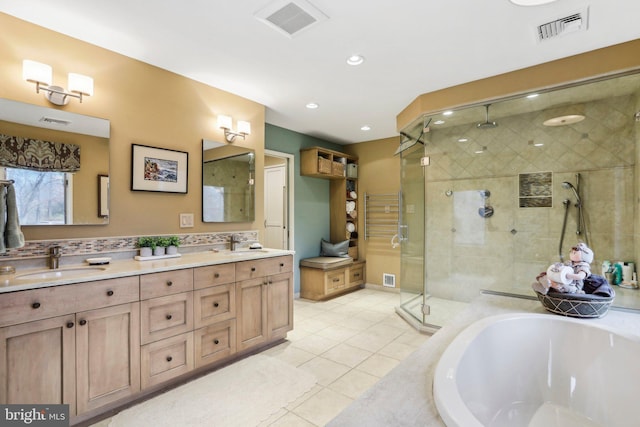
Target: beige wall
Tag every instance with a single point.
(378, 173)
(146, 105)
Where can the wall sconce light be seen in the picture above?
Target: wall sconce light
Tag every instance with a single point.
(225, 123)
(41, 75)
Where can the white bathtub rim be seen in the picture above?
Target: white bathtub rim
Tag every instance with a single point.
(454, 411)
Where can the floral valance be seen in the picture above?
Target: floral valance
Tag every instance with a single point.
(36, 154)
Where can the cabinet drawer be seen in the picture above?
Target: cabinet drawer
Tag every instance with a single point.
(214, 304)
(214, 342)
(166, 359)
(213, 275)
(356, 275)
(36, 304)
(166, 283)
(165, 316)
(335, 280)
(263, 267)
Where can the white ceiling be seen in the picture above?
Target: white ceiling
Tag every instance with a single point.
(411, 47)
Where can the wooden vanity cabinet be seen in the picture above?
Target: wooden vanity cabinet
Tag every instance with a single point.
(85, 353)
(264, 292)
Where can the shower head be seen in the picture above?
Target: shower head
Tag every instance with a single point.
(487, 124)
(570, 186)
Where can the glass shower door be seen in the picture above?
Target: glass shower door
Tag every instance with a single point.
(411, 233)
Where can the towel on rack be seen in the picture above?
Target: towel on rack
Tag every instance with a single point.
(10, 223)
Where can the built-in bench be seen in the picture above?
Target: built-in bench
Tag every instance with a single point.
(325, 277)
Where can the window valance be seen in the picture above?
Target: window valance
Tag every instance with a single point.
(36, 154)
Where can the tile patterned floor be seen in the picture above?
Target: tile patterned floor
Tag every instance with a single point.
(348, 343)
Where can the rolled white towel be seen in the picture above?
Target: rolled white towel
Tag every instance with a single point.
(558, 273)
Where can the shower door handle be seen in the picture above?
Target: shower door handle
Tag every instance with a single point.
(403, 232)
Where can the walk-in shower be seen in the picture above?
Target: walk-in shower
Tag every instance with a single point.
(450, 253)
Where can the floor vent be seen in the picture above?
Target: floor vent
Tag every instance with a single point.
(290, 17)
(389, 280)
(569, 24)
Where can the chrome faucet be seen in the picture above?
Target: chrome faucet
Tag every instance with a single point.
(54, 257)
(233, 242)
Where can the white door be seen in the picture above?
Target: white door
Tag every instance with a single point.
(275, 207)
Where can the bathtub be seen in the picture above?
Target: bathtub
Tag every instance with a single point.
(538, 370)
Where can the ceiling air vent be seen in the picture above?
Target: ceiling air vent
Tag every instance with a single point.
(53, 121)
(560, 27)
(290, 17)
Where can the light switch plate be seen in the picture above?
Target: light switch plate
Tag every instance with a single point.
(186, 220)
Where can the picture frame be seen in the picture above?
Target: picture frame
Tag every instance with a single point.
(158, 169)
(103, 196)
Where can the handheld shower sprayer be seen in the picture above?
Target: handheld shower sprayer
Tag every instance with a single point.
(570, 186)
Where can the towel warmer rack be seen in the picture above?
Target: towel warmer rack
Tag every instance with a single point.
(381, 215)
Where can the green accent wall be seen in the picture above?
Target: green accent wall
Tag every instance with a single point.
(311, 213)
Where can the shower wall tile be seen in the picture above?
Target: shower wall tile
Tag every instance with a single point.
(518, 243)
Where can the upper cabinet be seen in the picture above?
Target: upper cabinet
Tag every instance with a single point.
(342, 170)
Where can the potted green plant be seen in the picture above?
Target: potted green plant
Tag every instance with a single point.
(161, 245)
(146, 245)
(173, 243)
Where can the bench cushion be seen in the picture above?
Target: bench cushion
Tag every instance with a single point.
(325, 262)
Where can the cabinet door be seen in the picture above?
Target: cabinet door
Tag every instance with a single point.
(108, 355)
(251, 309)
(280, 304)
(37, 362)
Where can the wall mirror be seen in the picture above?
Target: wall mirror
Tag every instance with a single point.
(59, 163)
(228, 183)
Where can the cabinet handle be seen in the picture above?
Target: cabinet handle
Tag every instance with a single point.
(82, 322)
(109, 293)
(253, 269)
(215, 304)
(169, 283)
(336, 279)
(282, 264)
(216, 275)
(357, 275)
(269, 281)
(216, 341)
(168, 316)
(35, 305)
(70, 325)
(169, 358)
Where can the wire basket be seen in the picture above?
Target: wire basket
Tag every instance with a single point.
(576, 305)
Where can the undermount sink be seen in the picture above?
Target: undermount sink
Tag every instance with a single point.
(241, 252)
(61, 273)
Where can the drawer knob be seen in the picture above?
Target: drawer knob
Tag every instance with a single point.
(215, 304)
(169, 316)
(216, 275)
(216, 341)
(109, 293)
(357, 275)
(169, 283)
(169, 358)
(82, 322)
(253, 269)
(70, 325)
(35, 305)
(282, 264)
(336, 279)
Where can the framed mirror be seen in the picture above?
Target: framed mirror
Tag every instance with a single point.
(228, 183)
(58, 163)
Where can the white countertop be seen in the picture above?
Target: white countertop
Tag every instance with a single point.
(404, 397)
(124, 268)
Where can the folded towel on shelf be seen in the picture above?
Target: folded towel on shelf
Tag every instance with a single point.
(13, 236)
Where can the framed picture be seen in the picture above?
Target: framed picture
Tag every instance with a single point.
(103, 196)
(158, 169)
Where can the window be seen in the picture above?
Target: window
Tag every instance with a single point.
(42, 197)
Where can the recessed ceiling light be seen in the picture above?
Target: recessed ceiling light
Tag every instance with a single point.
(447, 113)
(463, 140)
(355, 60)
(365, 128)
(312, 105)
(533, 95)
(531, 2)
(439, 122)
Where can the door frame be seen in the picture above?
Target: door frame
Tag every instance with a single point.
(289, 158)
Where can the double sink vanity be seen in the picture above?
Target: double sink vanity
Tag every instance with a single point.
(99, 337)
